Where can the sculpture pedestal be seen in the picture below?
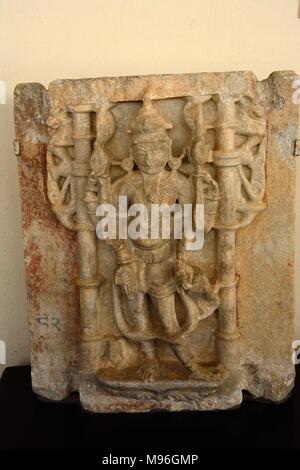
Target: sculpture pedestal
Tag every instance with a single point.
(173, 382)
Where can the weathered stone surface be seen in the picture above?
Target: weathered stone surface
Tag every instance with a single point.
(136, 325)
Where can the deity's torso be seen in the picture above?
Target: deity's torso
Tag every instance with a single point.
(165, 188)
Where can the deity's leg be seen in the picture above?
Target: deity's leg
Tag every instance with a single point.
(140, 313)
(166, 310)
(180, 344)
(148, 371)
(165, 307)
(149, 368)
(181, 349)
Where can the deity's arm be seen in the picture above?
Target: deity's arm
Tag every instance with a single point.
(194, 281)
(125, 275)
(100, 190)
(120, 245)
(201, 189)
(186, 195)
(186, 190)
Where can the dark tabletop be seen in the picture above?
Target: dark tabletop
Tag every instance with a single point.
(28, 423)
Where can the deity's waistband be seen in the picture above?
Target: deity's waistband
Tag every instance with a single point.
(153, 256)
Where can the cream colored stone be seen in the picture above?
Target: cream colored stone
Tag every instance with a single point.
(161, 327)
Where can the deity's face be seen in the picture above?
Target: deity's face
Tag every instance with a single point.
(151, 157)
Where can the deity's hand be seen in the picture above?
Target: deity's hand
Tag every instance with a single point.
(184, 275)
(126, 278)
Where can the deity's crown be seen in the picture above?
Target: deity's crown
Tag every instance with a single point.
(149, 125)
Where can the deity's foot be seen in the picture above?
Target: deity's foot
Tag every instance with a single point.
(148, 372)
(208, 373)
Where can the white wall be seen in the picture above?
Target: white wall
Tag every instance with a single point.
(41, 40)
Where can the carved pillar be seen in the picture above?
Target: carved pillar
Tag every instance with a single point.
(87, 245)
(198, 150)
(226, 159)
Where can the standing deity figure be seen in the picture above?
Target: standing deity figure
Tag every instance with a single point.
(152, 271)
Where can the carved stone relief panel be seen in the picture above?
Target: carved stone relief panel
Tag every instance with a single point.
(143, 322)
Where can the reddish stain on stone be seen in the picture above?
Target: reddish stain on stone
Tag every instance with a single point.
(37, 346)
